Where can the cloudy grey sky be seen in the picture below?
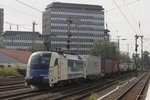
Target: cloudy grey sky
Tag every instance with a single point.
(134, 11)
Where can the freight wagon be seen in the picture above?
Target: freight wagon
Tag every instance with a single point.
(93, 66)
(115, 66)
(106, 66)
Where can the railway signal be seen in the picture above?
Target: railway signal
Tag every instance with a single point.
(68, 44)
(136, 47)
(69, 22)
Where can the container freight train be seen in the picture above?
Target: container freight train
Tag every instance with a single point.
(50, 69)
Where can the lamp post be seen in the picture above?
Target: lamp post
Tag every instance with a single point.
(118, 42)
(128, 48)
(124, 40)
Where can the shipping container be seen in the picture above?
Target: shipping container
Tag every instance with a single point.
(123, 67)
(106, 66)
(93, 66)
(115, 66)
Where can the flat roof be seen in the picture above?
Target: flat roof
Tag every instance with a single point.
(74, 6)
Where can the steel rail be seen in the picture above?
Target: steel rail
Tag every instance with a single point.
(143, 88)
(126, 91)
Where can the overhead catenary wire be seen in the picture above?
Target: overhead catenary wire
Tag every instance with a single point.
(29, 6)
(106, 24)
(131, 15)
(134, 18)
(18, 25)
(126, 4)
(23, 12)
(124, 16)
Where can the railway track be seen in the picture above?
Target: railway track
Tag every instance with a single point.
(86, 92)
(77, 95)
(7, 83)
(15, 78)
(11, 81)
(72, 92)
(80, 93)
(10, 84)
(129, 90)
(12, 87)
(16, 94)
(135, 91)
(49, 93)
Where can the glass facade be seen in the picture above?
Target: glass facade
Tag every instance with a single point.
(21, 39)
(1, 20)
(87, 25)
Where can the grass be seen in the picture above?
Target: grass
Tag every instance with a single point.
(122, 82)
(8, 71)
(93, 97)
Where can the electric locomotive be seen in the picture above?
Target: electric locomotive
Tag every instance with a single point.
(48, 69)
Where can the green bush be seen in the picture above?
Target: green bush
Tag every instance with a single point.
(8, 71)
(17, 67)
(93, 97)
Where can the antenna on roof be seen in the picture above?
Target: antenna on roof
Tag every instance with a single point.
(10, 27)
(33, 24)
(17, 27)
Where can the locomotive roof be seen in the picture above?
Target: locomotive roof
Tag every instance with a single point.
(68, 56)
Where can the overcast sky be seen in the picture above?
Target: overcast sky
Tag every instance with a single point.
(123, 24)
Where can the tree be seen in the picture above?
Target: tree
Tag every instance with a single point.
(2, 46)
(146, 58)
(125, 58)
(136, 59)
(105, 49)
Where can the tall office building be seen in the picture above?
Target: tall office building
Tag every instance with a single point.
(84, 23)
(1, 20)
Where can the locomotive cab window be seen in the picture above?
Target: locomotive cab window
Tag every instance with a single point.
(40, 61)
